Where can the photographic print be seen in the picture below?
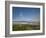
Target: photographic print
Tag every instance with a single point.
(24, 18)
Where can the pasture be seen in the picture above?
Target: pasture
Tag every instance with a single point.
(23, 27)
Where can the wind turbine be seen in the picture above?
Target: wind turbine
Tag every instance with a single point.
(21, 16)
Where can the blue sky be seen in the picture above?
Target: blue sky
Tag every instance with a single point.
(25, 14)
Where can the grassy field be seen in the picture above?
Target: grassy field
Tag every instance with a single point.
(22, 27)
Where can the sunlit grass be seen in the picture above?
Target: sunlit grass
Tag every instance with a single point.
(22, 27)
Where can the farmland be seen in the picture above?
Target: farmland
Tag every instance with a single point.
(23, 27)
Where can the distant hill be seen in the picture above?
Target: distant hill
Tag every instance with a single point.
(26, 22)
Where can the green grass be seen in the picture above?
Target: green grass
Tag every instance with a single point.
(22, 27)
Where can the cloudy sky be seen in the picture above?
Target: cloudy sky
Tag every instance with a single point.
(25, 14)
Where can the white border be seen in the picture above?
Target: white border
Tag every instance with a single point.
(23, 32)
